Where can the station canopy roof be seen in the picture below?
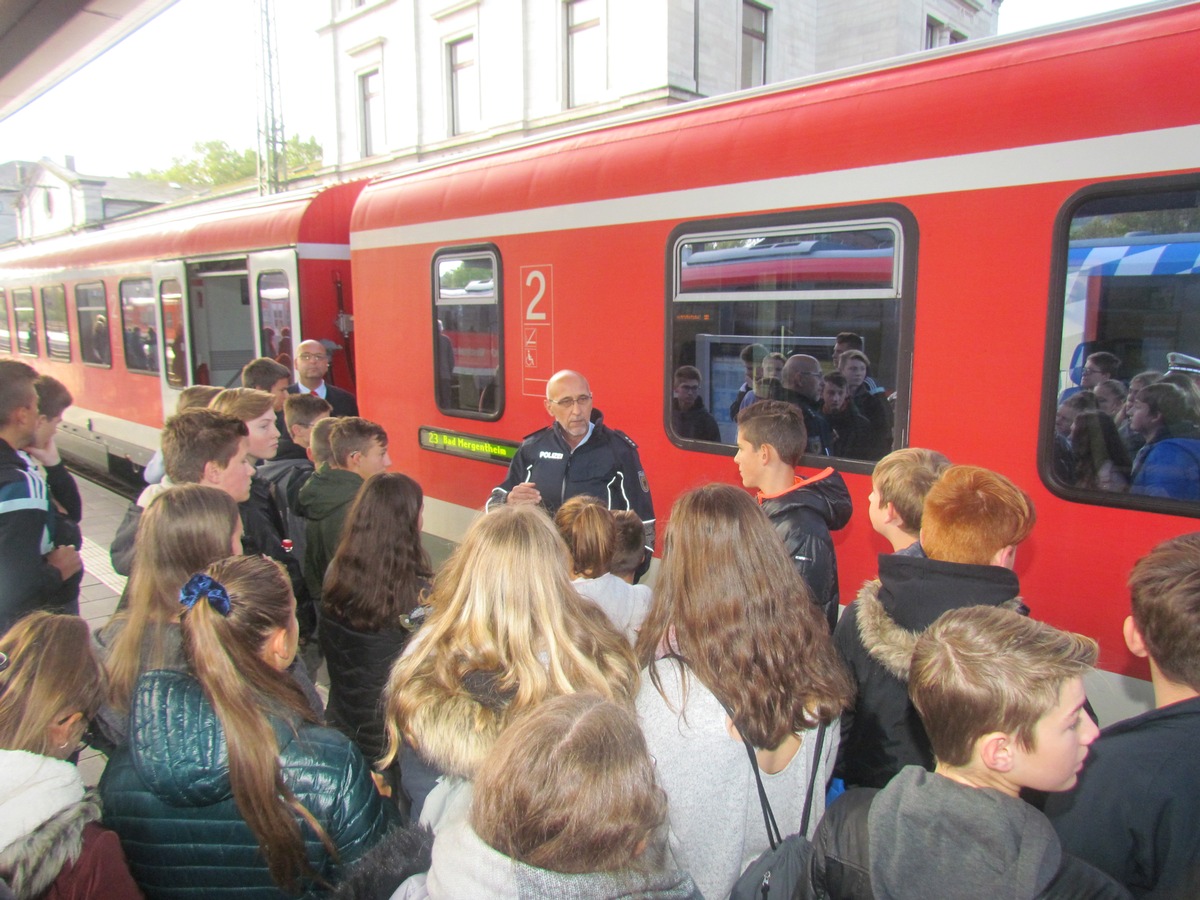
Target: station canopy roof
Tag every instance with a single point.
(44, 41)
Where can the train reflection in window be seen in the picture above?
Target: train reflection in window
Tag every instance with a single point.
(1126, 401)
(468, 380)
(747, 300)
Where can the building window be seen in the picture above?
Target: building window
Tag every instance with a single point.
(464, 86)
(91, 312)
(468, 375)
(754, 46)
(772, 289)
(586, 57)
(1129, 301)
(370, 112)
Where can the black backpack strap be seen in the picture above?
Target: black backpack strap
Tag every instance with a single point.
(773, 834)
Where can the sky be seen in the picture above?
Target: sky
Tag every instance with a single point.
(189, 75)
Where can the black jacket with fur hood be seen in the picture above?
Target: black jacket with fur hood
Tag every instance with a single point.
(876, 635)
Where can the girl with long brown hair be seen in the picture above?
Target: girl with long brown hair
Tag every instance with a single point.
(376, 581)
(185, 529)
(51, 843)
(228, 787)
(506, 632)
(748, 656)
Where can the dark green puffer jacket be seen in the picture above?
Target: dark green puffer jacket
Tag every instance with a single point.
(168, 797)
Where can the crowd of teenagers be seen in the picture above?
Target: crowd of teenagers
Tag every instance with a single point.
(528, 721)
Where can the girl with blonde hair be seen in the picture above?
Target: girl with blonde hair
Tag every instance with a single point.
(750, 657)
(590, 530)
(51, 844)
(506, 632)
(228, 786)
(185, 529)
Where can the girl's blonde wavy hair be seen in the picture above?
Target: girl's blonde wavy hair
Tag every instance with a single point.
(504, 608)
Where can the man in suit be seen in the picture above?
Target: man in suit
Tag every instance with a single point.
(312, 361)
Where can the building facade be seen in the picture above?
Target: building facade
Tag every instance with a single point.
(45, 198)
(418, 79)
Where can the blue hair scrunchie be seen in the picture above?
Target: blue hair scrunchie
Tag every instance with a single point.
(202, 586)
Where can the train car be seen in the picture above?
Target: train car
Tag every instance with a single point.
(129, 316)
(940, 206)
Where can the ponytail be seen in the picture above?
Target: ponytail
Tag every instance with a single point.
(590, 530)
(230, 614)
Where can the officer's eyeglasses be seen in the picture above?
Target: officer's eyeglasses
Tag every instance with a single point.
(568, 402)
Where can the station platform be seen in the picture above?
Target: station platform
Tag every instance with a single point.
(101, 587)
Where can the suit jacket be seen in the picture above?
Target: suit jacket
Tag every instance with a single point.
(343, 402)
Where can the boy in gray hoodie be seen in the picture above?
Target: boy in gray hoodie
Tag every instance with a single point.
(1001, 698)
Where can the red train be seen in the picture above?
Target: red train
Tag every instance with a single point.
(983, 215)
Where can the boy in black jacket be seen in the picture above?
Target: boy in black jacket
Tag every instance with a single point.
(972, 521)
(1134, 812)
(771, 441)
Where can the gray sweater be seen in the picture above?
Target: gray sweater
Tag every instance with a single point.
(713, 803)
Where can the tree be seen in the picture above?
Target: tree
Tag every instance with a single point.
(303, 155)
(215, 163)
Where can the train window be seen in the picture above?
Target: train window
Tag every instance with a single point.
(54, 317)
(137, 326)
(275, 316)
(748, 299)
(1122, 416)
(170, 303)
(5, 328)
(468, 376)
(91, 312)
(25, 320)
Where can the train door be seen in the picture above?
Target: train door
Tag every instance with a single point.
(173, 348)
(220, 320)
(276, 307)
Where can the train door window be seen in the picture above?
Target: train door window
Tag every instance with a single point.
(747, 298)
(5, 328)
(137, 326)
(170, 303)
(275, 316)
(25, 321)
(1121, 422)
(91, 313)
(468, 375)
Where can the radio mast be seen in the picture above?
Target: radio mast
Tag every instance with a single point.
(272, 140)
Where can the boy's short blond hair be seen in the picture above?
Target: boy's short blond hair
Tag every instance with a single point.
(971, 514)
(985, 669)
(903, 478)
